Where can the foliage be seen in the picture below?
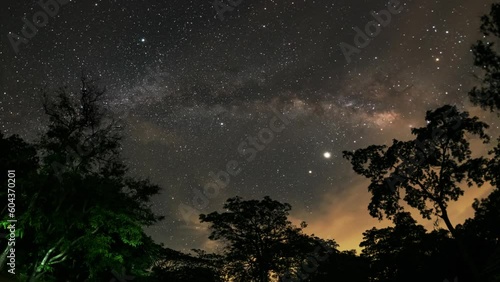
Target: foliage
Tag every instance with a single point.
(260, 240)
(425, 172)
(82, 215)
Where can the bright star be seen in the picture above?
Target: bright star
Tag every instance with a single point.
(327, 155)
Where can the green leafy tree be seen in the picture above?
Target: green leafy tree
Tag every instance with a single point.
(84, 216)
(259, 239)
(493, 167)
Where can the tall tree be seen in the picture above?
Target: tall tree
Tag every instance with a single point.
(425, 172)
(486, 56)
(260, 240)
(487, 96)
(21, 157)
(393, 250)
(84, 215)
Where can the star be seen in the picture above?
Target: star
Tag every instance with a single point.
(327, 155)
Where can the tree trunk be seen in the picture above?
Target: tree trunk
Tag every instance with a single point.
(3, 257)
(444, 216)
(35, 277)
(461, 246)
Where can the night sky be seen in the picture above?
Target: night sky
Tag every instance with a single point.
(200, 91)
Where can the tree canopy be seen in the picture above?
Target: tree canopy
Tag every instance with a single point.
(425, 172)
(78, 209)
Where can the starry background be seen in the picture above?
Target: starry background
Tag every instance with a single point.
(191, 87)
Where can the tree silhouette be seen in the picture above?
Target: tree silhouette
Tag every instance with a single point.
(425, 172)
(487, 58)
(83, 216)
(343, 266)
(17, 155)
(488, 95)
(260, 240)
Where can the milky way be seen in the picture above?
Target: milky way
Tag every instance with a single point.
(192, 86)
